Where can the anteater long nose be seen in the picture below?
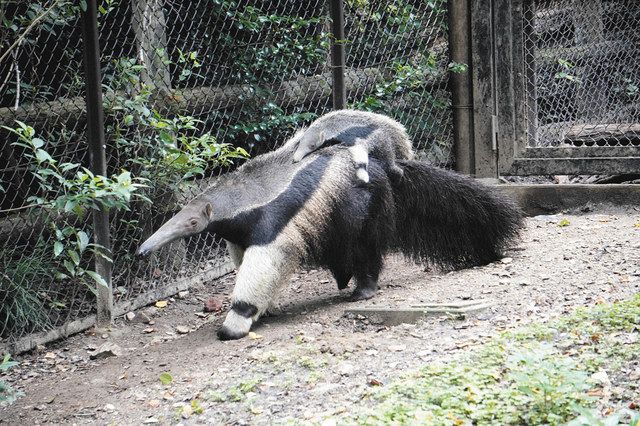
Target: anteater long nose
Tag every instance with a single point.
(143, 251)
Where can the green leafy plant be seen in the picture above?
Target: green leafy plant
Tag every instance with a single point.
(524, 376)
(68, 188)
(7, 394)
(566, 66)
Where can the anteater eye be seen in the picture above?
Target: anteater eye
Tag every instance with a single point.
(194, 222)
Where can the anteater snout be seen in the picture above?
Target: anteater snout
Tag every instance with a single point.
(143, 250)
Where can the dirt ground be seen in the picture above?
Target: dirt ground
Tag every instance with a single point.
(311, 360)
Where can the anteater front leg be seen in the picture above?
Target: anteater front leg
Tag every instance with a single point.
(262, 271)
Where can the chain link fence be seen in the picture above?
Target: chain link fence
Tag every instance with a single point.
(184, 84)
(583, 79)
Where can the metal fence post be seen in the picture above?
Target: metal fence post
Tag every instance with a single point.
(460, 83)
(97, 157)
(339, 92)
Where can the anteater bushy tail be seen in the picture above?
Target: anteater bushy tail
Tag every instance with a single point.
(450, 220)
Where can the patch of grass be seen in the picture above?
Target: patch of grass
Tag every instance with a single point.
(23, 309)
(238, 392)
(215, 396)
(307, 362)
(535, 375)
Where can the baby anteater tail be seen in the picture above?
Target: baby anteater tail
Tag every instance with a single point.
(451, 220)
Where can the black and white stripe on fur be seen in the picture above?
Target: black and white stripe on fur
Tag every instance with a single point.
(279, 216)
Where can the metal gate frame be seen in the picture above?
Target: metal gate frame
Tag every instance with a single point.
(502, 85)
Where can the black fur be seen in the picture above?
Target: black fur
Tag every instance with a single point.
(451, 220)
(431, 215)
(244, 309)
(261, 225)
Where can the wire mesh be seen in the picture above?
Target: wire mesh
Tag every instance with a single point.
(582, 74)
(40, 84)
(178, 79)
(397, 53)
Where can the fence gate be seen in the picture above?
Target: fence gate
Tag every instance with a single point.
(565, 86)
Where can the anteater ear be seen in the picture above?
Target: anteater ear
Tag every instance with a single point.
(208, 210)
(320, 140)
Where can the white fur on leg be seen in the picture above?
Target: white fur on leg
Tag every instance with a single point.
(236, 254)
(237, 323)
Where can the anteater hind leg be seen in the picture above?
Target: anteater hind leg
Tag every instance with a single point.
(371, 244)
(342, 277)
(366, 285)
(367, 270)
(263, 270)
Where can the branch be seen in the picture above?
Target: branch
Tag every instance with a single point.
(26, 31)
(15, 58)
(28, 206)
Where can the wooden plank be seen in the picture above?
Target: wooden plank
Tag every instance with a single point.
(521, 75)
(544, 199)
(398, 315)
(504, 81)
(574, 166)
(457, 304)
(483, 88)
(300, 91)
(582, 152)
(603, 133)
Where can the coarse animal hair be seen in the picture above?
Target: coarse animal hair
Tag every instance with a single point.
(278, 216)
(367, 134)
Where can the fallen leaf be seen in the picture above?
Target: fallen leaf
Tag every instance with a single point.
(595, 392)
(153, 403)
(564, 222)
(165, 378)
(375, 382)
(212, 305)
(254, 336)
(161, 304)
(187, 411)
